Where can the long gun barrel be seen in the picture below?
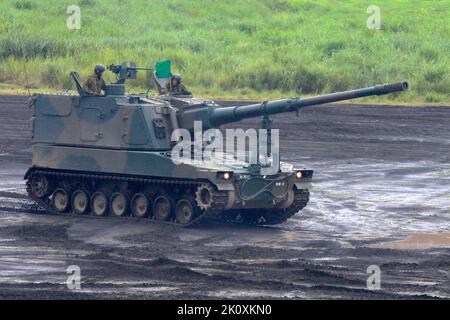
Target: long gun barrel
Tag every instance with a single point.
(222, 116)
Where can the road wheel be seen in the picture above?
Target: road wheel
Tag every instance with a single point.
(119, 204)
(40, 186)
(99, 204)
(80, 202)
(140, 205)
(61, 200)
(185, 211)
(162, 208)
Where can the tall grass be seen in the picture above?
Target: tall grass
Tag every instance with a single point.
(255, 48)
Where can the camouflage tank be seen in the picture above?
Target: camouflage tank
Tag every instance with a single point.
(111, 155)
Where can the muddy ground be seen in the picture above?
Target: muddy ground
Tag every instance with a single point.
(381, 197)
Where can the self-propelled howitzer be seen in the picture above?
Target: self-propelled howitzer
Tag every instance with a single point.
(111, 155)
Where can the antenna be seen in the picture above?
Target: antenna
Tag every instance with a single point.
(119, 55)
(119, 35)
(25, 71)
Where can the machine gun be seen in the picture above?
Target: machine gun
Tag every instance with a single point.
(124, 72)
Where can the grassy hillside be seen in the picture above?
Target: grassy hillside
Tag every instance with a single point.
(252, 48)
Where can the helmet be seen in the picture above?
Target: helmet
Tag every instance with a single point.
(177, 77)
(99, 69)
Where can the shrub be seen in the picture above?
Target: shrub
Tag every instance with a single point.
(434, 75)
(28, 46)
(433, 97)
(53, 76)
(88, 3)
(25, 5)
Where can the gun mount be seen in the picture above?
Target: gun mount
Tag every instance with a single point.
(124, 72)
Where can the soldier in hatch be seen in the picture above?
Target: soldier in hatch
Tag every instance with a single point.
(176, 88)
(95, 84)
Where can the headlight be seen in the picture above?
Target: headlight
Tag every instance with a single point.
(224, 175)
(298, 174)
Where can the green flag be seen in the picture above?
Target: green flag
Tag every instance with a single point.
(163, 69)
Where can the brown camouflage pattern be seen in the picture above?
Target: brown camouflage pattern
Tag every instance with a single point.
(94, 86)
(178, 90)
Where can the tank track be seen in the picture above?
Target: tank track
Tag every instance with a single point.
(259, 217)
(220, 197)
(216, 212)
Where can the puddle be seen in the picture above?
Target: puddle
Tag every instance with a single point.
(106, 232)
(237, 294)
(433, 294)
(296, 235)
(368, 198)
(256, 261)
(152, 289)
(417, 241)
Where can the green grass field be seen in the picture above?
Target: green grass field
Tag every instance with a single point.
(234, 49)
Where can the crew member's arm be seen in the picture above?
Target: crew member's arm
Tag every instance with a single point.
(183, 90)
(87, 86)
(103, 85)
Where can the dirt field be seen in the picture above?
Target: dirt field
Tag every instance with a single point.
(381, 197)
